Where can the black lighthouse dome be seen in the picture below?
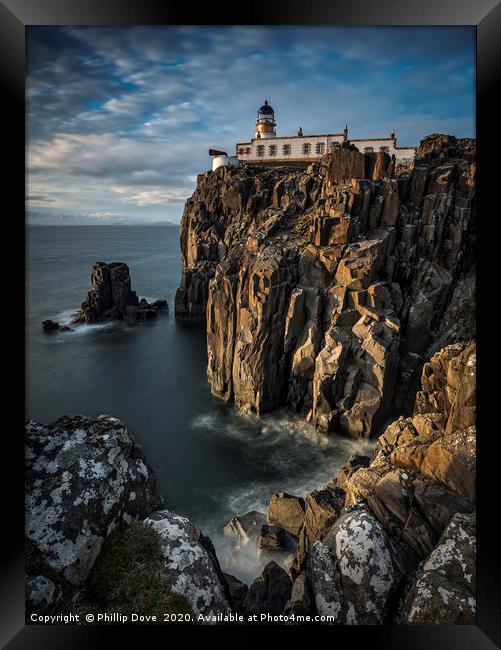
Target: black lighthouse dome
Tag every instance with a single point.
(266, 109)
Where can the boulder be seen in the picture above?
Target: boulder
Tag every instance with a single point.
(190, 568)
(245, 528)
(50, 326)
(274, 538)
(444, 592)
(237, 590)
(301, 602)
(351, 570)
(84, 478)
(287, 511)
(269, 593)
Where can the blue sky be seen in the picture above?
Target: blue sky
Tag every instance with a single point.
(119, 120)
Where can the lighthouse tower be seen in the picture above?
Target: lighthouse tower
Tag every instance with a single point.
(265, 124)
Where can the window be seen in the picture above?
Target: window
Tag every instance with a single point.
(248, 150)
(241, 150)
(286, 149)
(272, 150)
(306, 148)
(260, 150)
(384, 149)
(320, 148)
(369, 149)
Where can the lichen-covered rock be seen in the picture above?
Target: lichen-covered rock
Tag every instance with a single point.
(84, 477)
(42, 595)
(444, 592)
(190, 568)
(351, 570)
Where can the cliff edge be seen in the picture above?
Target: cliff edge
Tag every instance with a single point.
(327, 289)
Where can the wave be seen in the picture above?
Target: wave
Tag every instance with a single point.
(281, 452)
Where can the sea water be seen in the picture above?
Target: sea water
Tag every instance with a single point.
(210, 461)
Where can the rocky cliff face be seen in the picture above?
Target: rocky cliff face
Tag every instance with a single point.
(392, 538)
(326, 289)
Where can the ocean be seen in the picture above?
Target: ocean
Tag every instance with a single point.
(210, 462)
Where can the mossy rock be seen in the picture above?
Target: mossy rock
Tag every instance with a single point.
(127, 578)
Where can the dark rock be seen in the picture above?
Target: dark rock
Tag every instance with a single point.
(301, 602)
(49, 326)
(269, 593)
(111, 297)
(65, 328)
(274, 538)
(237, 590)
(159, 305)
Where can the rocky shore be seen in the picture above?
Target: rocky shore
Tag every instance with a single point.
(346, 293)
(391, 539)
(326, 290)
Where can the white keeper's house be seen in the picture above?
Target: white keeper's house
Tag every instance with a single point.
(268, 147)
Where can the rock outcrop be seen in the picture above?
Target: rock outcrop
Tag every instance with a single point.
(444, 592)
(86, 482)
(269, 593)
(190, 564)
(111, 297)
(245, 528)
(392, 538)
(326, 289)
(84, 478)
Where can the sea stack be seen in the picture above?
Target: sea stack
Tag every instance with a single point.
(111, 297)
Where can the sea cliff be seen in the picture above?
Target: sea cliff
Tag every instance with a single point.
(326, 289)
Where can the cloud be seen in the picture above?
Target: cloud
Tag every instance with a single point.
(125, 116)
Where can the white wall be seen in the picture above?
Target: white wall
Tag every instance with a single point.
(295, 142)
(404, 153)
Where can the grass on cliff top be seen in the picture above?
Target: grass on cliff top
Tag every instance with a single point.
(127, 577)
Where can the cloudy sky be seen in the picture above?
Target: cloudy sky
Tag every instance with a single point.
(119, 120)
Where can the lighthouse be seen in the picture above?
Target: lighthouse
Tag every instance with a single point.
(265, 123)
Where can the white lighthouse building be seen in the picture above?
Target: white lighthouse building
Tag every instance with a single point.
(268, 148)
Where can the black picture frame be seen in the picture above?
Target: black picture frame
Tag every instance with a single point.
(15, 15)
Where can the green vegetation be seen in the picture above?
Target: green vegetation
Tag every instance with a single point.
(127, 578)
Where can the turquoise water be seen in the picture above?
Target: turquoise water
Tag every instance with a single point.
(210, 462)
